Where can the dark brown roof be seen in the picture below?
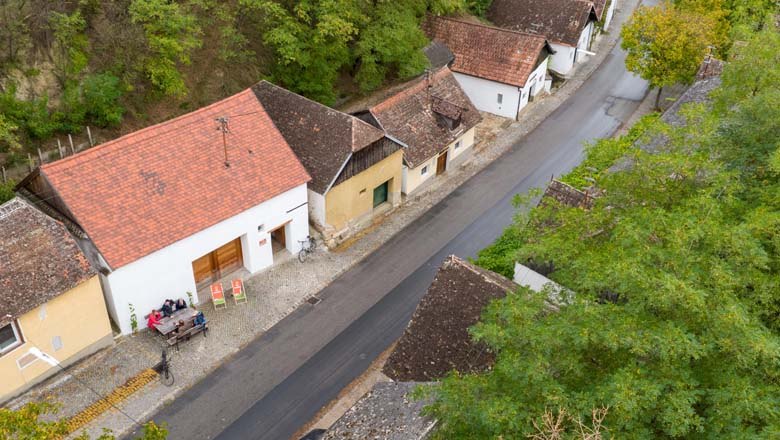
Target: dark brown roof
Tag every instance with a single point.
(598, 7)
(561, 21)
(567, 195)
(409, 115)
(438, 54)
(39, 260)
(321, 137)
(488, 52)
(436, 340)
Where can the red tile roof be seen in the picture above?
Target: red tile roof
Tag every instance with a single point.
(488, 52)
(411, 116)
(151, 188)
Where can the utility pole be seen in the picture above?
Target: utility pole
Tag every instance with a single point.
(222, 126)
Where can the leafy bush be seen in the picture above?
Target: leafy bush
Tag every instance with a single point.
(101, 93)
(6, 191)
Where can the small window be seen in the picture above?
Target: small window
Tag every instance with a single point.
(500, 98)
(10, 338)
(424, 170)
(457, 145)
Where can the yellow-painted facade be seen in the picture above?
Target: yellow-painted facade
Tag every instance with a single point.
(354, 198)
(68, 327)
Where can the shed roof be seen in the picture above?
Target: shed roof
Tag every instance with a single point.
(561, 21)
(148, 189)
(387, 412)
(437, 340)
(567, 195)
(488, 52)
(321, 137)
(39, 259)
(409, 115)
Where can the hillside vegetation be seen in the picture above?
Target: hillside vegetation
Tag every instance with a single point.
(128, 63)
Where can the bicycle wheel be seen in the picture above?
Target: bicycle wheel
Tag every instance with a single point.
(166, 377)
(302, 254)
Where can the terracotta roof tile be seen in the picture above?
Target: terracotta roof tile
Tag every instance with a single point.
(409, 115)
(561, 21)
(151, 188)
(488, 52)
(39, 259)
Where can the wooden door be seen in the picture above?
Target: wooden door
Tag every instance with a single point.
(204, 269)
(218, 263)
(228, 257)
(380, 194)
(441, 163)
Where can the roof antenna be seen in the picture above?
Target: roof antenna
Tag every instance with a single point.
(225, 129)
(428, 85)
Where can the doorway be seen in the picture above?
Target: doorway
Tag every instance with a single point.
(531, 92)
(380, 194)
(218, 263)
(441, 162)
(279, 239)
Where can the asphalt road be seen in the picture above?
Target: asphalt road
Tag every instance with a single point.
(279, 382)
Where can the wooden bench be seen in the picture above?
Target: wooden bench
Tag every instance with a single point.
(177, 337)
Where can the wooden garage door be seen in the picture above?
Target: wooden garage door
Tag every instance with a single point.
(218, 263)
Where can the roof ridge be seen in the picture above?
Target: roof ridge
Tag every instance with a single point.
(112, 143)
(494, 27)
(488, 275)
(410, 90)
(303, 97)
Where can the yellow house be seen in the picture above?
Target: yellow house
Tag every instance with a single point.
(50, 299)
(356, 169)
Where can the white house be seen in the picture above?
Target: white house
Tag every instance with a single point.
(171, 208)
(433, 119)
(567, 24)
(500, 70)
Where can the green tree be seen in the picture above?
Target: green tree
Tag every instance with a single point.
(310, 40)
(9, 140)
(666, 45)
(25, 423)
(171, 35)
(673, 323)
(101, 98)
(70, 46)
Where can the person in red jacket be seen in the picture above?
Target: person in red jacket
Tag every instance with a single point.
(154, 318)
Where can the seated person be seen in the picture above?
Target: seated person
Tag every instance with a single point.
(199, 319)
(182, 327)
(167, 308)
(154, 319)
(181, 304)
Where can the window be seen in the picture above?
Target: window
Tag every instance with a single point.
(10, 338)
(424, 170)
(457, 145)
(500, 98)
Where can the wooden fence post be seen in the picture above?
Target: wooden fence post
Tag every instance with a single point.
(59, 148)
(89, 134)
(5, 177)
(29, 162)
(40, 156)
(70, 139)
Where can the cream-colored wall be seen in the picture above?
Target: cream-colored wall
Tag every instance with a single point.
(344, 202)
(414, 177)
(78, 317)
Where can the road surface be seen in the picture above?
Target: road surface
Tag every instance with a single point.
(279, 382)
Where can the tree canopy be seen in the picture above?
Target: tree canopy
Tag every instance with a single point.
(675, 312)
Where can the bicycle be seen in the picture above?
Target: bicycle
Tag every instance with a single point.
(307, 247)
(163, 368)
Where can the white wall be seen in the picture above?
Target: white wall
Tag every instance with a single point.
(466, 142)
(536, 78)
(316, 208)
(484, 94)
(584, 43)
(608, 16)
(562, 61)
(167, 273)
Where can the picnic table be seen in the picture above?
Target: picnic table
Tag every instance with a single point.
(168, 324)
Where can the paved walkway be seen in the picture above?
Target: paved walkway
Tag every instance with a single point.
(273, 294)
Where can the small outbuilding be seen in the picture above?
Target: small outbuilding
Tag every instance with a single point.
(51, 302)
(356, 170)
(500, 70)
(569, 26)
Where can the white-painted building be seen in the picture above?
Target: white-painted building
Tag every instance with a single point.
(567, 24)
(433, 119)
(174, 207)
(500, 70)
